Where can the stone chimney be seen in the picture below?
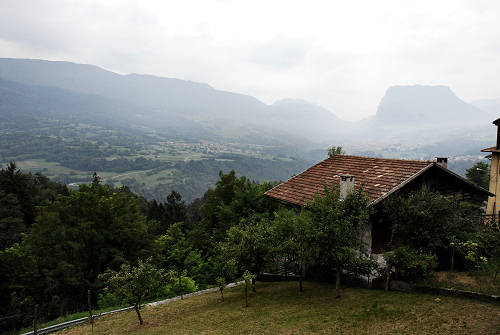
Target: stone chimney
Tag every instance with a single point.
(346, 185)
(442, 161)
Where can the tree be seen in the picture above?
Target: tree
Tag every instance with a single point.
(249, 243)
(296, 240)
(334, 150)
(174, 210)
(340, 224)
(76, 237)
(11, 220)
(248, 277)
(221, 283)
(134, 284)
(479, 174)
(176, 253)
(232, 200)
(96, 179)
(428, 221)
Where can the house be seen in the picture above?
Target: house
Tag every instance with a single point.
(380, 178)
(493, 207)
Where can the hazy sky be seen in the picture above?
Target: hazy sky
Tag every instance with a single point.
(339, 54)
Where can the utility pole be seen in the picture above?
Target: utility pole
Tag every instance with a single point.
(35, 321)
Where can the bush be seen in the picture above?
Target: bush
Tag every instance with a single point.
(108, 299)
(410, 265)
(172, 289)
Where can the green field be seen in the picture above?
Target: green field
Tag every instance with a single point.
(278, 308)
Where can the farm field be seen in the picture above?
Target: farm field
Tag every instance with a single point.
(278, 308)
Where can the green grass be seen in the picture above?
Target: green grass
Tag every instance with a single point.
(476, 282)
(69, 317)
(278, 308)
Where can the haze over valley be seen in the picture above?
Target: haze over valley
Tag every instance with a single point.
(156, 134)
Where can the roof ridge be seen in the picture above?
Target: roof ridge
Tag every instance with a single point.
(385, 158)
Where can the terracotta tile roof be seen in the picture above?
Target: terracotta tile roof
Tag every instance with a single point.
(378, 175)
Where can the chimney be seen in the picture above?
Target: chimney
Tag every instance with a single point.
(346, 185)
(442, 161)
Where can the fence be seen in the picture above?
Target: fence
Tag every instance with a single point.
(75, 322)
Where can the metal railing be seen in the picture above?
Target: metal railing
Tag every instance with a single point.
(75, 322)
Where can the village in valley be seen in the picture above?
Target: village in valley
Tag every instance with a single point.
(265, 167)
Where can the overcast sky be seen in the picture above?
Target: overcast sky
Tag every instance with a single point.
(342, 55)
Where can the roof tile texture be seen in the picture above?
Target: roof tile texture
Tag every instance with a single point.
(378, 175)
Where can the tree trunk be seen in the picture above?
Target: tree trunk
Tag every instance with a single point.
(136, 307)
(180, 285)
(91, 318)
(387, 278)
(253, 285)
(301, 274)
(246, 295)
(452, 260)
(337, 282)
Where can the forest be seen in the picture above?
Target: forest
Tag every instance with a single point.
(57, 244)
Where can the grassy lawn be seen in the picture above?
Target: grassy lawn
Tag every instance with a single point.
(278, 308)
(478, 282)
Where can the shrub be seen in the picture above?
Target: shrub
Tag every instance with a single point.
(172, 289)
(410, 265)
(108, 299)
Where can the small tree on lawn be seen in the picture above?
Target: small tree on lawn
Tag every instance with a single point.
(339, 223)
(133, 284)
(225, 264)
(296, 240)
(221, 283)
(249, 244)
(248, 278)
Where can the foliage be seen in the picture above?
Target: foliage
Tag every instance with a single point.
(410, 265)
(488, 240)
(295, 240)
(107, 299)
(232, 200)
(20, 193)
(363, 266)
(134, 284)
(172, 211)
(334, 150)
(340, 223)
(249, 244)
(248, 278)
(173, 289)
(431, 223)
(221, 283)
(479, 174)
(176, 253)
(74, 238)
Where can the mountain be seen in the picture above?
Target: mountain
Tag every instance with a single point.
(427, 105)
(171, 96)
(193, 109)
(411, 121)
